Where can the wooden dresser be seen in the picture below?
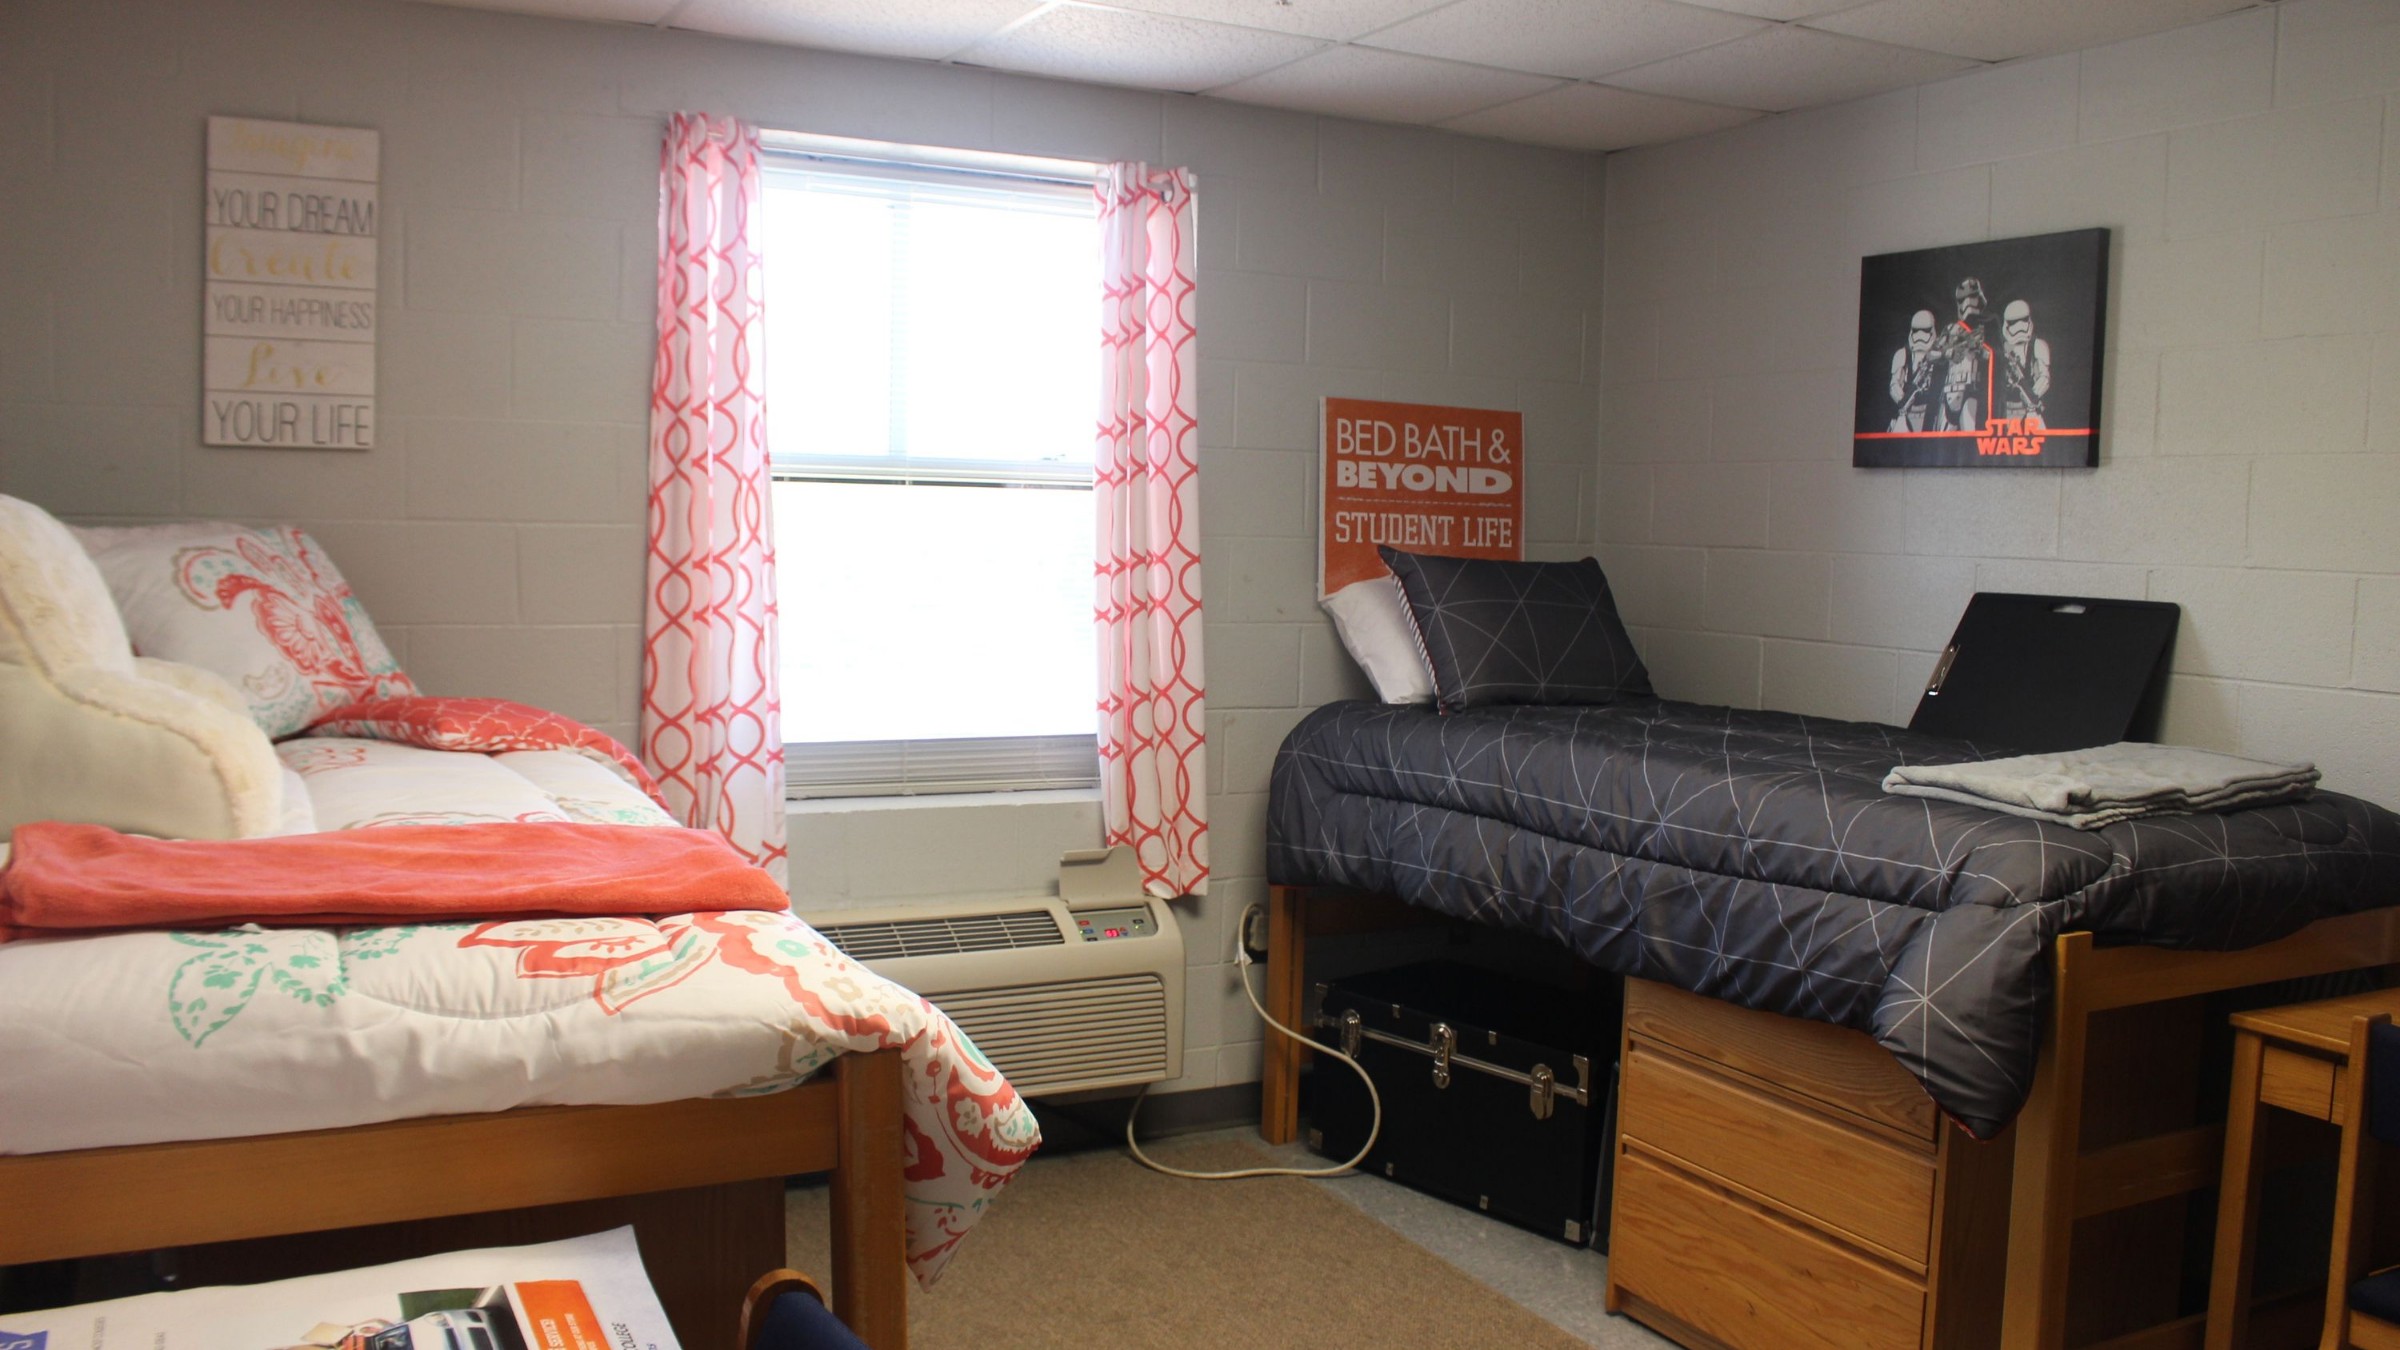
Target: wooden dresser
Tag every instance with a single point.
(1783, 1184)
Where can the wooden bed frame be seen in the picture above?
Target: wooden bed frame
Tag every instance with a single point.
(2107, 1149)
(725, 1159)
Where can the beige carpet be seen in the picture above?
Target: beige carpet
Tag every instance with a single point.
(1091, 1250)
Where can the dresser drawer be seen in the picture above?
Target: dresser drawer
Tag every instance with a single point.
(1844, 1070)
(1857, 1182)
(1748, 1278)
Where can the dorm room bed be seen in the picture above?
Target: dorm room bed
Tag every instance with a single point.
(2003, 963)
(168, 1089)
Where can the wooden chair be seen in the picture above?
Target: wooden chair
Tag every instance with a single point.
(2362, 1310)
(785, 1310)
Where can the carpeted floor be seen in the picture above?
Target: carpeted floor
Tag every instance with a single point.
(1089, 1249)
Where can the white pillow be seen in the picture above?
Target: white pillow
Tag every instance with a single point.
(91, 735)
(1372, 618)
(265, 608)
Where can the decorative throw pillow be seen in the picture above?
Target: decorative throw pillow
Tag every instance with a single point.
(265, 608)
(89, 733)
(1518, 632)
(1373, 623)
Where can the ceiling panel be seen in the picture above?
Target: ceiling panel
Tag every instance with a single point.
(2001, 30)
(1595, 117)
(1340, 19)
(926, 29)
(1784, 68)
(607, 11)
(1582, 39)
(1147, 51)
(1383, 86)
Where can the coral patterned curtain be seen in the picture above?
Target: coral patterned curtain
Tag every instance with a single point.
(711, 727)
(1153, 751)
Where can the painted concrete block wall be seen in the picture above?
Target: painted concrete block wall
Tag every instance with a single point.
(2251, 440)
(495, 530)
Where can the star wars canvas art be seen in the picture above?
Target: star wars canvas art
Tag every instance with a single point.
(1983, 354)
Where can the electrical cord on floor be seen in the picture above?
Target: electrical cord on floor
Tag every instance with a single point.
(1243, 962)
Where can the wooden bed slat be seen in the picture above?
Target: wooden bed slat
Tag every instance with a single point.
(2119, 977)
(146, 1196)
(2144, 1170)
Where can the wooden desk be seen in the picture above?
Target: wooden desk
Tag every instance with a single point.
(2295, 1057)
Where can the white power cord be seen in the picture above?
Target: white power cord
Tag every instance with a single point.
(1241, 959)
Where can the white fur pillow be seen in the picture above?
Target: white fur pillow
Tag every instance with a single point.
(265, 608)
(90, 734)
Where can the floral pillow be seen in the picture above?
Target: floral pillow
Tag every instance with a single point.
(265, 608)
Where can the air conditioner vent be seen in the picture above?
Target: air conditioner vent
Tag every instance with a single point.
(1070, 1035)
(958, 936)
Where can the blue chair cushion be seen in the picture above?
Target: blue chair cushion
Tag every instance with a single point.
(794, 1321)
(2383, 1082)
(2378, 1295)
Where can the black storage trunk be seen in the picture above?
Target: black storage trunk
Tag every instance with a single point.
(1497, 1093)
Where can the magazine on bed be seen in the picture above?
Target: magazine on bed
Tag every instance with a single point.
(587, 1293)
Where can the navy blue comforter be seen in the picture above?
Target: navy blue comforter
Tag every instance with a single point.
(1754, 857)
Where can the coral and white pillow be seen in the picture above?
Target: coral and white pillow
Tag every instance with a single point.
(265, 608)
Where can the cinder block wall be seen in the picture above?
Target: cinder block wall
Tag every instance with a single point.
(495, 530)
(2250, 168)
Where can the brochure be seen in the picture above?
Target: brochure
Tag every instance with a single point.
(586, 1293)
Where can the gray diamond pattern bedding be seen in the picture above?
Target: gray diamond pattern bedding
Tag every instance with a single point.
(1754, 857)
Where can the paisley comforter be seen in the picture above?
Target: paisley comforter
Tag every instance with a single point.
(149, 1036)
(1754, 857)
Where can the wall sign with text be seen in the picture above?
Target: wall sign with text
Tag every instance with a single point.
(288, 325)
(1419, 478)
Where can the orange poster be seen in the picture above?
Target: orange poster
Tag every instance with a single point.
(1419, 478)
(560, 1316)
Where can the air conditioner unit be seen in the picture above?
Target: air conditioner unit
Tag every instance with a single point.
(1063, 993)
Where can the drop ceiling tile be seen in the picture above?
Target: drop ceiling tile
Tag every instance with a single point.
(925, 29)
(1581, 39)
(1339, 19)
(1383, 86)
(1595, 117)
(1147, 51)
(605, 11)
(1780, 69)
(2002, 30)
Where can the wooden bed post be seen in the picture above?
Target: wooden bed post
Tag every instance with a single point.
(2049, 1145)
(870, 1252)
(1287, 997)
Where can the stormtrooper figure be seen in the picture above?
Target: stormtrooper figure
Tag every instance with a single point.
(1913, 373)
(2025, 365)
(1962, 399)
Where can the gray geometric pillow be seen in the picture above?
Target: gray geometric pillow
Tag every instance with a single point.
(1518, 632)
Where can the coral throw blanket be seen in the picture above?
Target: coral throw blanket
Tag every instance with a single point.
(64, 878)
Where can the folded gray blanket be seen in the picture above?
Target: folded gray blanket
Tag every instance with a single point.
(2100, 786)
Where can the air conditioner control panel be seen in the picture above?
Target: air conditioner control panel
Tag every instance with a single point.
(1110, 925)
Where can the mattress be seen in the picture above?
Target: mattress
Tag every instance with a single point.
(145, 1037)
(1753, 856)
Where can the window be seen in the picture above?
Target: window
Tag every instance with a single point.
(932, 385)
